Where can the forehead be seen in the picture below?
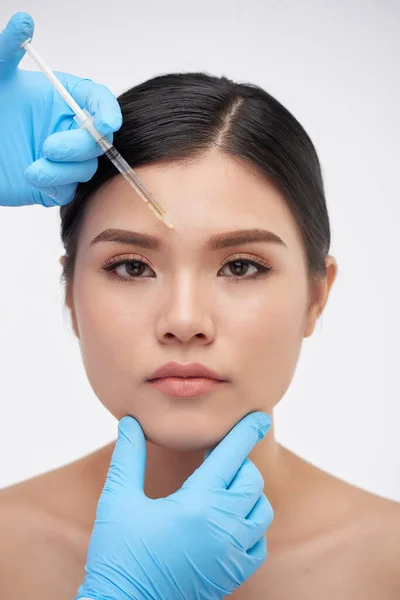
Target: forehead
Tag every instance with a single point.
(210, 194)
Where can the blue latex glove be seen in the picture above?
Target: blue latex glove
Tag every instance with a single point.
(199, 543)
(37, 126)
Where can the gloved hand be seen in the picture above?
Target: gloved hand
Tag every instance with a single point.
(199, 543)
(38, 136)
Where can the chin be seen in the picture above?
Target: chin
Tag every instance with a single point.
(179, 445)
(184, 435)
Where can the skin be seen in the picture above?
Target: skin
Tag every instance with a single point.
(186, 313)
(250, 331)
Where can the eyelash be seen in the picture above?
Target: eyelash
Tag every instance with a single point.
(111, 264)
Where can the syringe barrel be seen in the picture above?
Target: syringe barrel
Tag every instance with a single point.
(87, 124)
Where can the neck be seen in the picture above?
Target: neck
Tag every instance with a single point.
(167, 470)
(287, 478)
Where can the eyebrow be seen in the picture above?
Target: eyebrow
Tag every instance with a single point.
(215, 242)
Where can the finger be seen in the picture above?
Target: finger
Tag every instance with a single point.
(128, 464)
(255, 557)
(207, 454)
(18, 29)
(100, 102)
(250, 530)
(246, 488)
(54, 196)
(225, 460)
(45, 173)
(262, 513)
(74, 145)
(259, 551)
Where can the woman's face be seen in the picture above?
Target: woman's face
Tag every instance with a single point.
(185, 304)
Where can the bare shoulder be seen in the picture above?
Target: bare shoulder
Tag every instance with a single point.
(382, 513)
(42, 555)
(39, 556)
(386, 537)
(385, 523)
(68, 493)
(376, 535)
(361, 532)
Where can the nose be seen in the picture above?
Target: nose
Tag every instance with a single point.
(186, 315)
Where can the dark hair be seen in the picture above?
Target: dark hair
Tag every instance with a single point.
(179, 116)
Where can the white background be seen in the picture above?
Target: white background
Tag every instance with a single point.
(335, 66)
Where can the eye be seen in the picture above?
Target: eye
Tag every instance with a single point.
(130, 269)
(127, 269)
(239, 266)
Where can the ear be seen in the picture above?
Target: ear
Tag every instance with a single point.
(320, 295)
(70, 302)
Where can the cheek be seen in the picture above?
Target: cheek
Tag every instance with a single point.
(110, 323)
(108, 313)
(268, 342)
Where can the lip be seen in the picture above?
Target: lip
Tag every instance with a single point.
(176, 370)
(185, 386)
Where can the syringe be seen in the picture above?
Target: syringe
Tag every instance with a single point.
(85, 120)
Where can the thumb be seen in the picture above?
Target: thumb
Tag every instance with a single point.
(208, 452)
(128, 462)
(18, 29)
(222, 463)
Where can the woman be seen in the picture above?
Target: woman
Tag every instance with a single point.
(236, 286)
